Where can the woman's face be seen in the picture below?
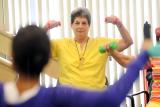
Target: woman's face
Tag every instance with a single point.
(80, 26)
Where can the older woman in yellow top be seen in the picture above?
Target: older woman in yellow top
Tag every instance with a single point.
(81, 64)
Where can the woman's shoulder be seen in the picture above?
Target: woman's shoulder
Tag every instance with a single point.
(1, 86)
(61, 40)
(105, 39)
(99, 39)
(1, 92)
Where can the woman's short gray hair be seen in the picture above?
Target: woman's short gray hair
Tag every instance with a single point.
(81, 12)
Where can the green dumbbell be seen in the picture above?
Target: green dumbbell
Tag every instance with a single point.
(112, 45)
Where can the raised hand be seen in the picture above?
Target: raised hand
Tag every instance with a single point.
(157, 31)
(51, 24)
(147, 44)
(114, 20)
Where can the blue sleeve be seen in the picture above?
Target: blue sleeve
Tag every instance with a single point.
(111, 97)
(2, 104)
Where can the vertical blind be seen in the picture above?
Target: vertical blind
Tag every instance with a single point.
(133, 13)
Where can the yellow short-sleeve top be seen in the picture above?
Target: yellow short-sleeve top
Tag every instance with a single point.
(88, 73)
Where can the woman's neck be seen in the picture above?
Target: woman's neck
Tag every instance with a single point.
(81, 40)
(25, 83)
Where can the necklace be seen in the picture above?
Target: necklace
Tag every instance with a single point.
(81, 57)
